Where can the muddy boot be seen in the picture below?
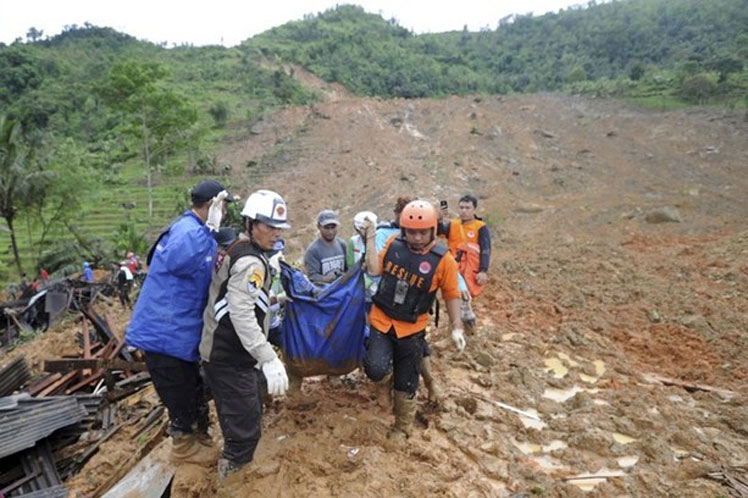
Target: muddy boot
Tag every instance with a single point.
(435, 392)
(467, 315)
(384, 391)
(227, 468)
(189, 448)
(405, 412)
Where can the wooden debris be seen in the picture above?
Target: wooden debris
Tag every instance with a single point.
(149, 478)
(503, 406)
(67, 364)
(735, 479)
(690, 387)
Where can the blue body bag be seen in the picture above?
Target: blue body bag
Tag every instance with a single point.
(324, 328)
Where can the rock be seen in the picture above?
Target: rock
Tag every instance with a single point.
(580, 401)
(544, 133)
(695, 321)
(469, 404)
(484, 359)
(575, 339)
(667, 214)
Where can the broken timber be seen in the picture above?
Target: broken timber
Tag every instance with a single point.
(67, 364)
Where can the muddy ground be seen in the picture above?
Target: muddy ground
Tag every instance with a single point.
(595, 318)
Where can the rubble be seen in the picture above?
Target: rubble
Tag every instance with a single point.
(59, 419)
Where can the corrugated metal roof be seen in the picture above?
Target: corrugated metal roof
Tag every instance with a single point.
(52, 492)
(25, 420)
(13, 375)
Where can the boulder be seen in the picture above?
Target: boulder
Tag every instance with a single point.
(667, 214)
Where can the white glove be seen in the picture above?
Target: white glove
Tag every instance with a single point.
(459, 339)
(368, 226)
(215, 212)
(283, 298)
(275, 374)
(275, 260)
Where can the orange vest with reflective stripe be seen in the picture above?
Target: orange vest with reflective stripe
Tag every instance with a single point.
(463, 244)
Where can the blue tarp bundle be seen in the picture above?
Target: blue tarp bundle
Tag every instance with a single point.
(324, 328)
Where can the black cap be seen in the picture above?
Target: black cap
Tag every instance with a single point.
(205, 191)
(225, 236)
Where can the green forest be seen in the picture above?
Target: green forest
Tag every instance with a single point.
(102, 134)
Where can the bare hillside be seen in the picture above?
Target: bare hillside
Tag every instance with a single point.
(593, 301)
(623, 335)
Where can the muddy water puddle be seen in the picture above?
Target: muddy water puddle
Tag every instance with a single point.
(561, 364)
(587, 481)
(561, 395)
(622, 438)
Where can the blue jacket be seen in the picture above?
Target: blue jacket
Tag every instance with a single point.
(168, 317)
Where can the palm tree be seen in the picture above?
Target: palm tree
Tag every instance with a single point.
(16, 175)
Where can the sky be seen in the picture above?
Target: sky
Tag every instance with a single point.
(228, 22)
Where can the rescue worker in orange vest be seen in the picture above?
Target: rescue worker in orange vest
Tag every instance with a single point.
(469, 241)
(413, 267)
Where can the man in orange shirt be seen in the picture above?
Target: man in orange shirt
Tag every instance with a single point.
(413, 267)
(469, 241)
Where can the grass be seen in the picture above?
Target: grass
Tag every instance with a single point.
(102, 213)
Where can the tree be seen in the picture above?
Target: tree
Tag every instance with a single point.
(698, 88)
(220, 112)
(636, 71)
(19, 72)
(34, 34)
(57, 196)
(724, 66)
(577, 73)
(18, 175)
(158, 116)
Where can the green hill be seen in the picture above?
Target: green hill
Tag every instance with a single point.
(618, 39)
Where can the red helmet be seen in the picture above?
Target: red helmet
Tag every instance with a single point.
(417, 215)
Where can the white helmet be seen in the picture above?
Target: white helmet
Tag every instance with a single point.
(268, 207)
(360, 217)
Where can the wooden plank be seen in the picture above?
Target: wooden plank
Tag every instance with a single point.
(149, 478)
(86, 344)
(86, 339)
(112, 363)
(105, 351)
(39, 386)
(654, 378)
(86, 381)
(61, 383)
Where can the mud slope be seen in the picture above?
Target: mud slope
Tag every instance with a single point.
(594, 319)
(589, 306)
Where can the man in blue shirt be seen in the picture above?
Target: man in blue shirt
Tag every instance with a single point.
(88, 275)
(167, 321)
